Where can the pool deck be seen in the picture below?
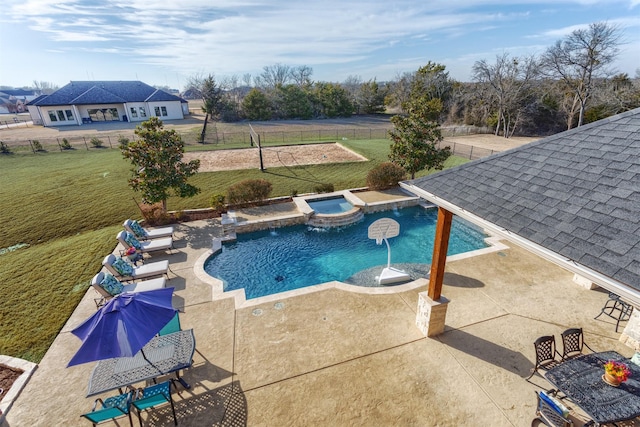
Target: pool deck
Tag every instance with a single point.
(339, 358)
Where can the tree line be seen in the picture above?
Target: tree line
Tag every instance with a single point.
(570, 84)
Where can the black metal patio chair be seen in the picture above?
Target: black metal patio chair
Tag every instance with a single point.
(573, 343)
(545, 347)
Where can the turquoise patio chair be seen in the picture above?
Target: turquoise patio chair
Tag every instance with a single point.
(152, 396)
(172, 326)
(112, 407)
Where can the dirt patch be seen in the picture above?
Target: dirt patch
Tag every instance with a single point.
(289, 156)
(8, 375)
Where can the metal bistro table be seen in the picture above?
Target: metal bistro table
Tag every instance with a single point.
(580, 379)
(167, 353)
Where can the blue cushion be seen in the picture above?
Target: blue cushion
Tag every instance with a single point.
(122, 267)
(554, 404)
(111, 284)
(137, 229)
(132, 241)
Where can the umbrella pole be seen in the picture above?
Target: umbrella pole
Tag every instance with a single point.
(149, 361)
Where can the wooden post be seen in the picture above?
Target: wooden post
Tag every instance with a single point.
(439, 259)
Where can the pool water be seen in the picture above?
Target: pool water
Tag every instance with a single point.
(330, 206)
(273, 261)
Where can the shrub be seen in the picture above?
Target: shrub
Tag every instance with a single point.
(123, 141)
(96, 142)
(4, 148)
(36, 145)
(250, 190)
(217, 201)
(294, 192)
(65, 144)
(154, 214)
(323, 188)
(385, 175)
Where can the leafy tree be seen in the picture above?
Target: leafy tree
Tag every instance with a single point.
(433, 82)
(158, 169)
(371, 98)
(332, 100)
(256, 105)
(292, 102)
(580, 60)
(212, 98)
(415, 137)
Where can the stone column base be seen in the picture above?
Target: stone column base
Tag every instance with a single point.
(584, 282)
(431, 314)
(631, 334)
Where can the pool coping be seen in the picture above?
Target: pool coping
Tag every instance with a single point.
(241, 301)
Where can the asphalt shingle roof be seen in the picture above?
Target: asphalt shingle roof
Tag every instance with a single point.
(576, 193)
(105, 92)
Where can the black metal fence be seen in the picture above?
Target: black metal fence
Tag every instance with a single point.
(229, 140)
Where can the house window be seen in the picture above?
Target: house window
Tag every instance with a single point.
(69, 114)
(143, 113)
(61, 115)
(52, 116)
(164, 111)
(157, 111)
(134, 112)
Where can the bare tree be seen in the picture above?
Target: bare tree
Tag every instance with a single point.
(400, 89)
(580, 59)
(301, 75)
(229, 82)
(45, 88)
(352, 85)
(246, 79)
(511, 81)
(273, 75)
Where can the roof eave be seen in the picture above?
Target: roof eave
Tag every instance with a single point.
(606, 282)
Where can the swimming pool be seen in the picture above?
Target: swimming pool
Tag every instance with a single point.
(279, 260)
(330, 206)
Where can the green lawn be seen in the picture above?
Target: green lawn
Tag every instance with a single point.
(68, 208)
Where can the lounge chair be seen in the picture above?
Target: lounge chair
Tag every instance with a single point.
(125, 271)
(108, 286)
(128, 240)
(141, 233)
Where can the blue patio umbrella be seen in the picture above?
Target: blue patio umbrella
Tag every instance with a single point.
(122, 326)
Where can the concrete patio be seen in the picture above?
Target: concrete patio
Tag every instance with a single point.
(341, 358)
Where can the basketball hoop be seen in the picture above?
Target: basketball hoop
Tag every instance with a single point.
(381, 230)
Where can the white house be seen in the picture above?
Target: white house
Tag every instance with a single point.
(82, 102)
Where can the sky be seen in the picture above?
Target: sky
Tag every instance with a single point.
(165, 42)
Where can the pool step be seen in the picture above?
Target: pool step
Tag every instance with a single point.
(336, 220)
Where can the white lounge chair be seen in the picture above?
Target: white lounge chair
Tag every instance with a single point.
(132, 272)
(146, 233)
(115, 287)
(128, 240)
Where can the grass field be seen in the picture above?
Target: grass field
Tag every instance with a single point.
(68, 207)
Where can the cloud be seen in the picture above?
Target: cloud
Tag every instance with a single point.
(228, 37)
